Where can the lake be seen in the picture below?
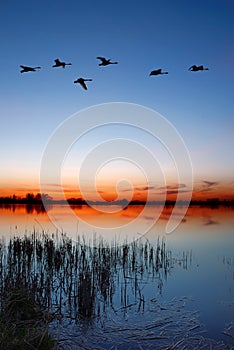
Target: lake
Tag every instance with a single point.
(191, 290)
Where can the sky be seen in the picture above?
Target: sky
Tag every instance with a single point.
(141, 36)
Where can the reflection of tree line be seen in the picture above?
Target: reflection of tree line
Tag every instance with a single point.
(32, 203)
(44, 199)
(79, 280)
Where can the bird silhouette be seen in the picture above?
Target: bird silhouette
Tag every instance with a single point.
(195, 68)
(58, 63)
(105, 62)
(28, 69)
(82, 81)
(157, 72)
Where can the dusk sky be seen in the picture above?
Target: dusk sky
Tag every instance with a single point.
(141, 36)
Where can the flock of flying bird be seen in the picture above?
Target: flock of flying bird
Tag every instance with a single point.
(103, 62)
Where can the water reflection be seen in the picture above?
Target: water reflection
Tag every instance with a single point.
(109, 284)
(106, 294)
(79, 280)
(109, 225)
(26, 208)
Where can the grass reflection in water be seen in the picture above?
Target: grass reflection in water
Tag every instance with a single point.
(97, 294)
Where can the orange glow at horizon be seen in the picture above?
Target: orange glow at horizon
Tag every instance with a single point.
(129, 188)
(222, 192)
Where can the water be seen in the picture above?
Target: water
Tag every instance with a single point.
(199, 278)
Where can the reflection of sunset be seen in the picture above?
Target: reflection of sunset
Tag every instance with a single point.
(112, 190)
(21, 217)
(102, 217)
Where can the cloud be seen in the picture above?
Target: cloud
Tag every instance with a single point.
(176, 191)
(172, 187)
(208, 185)
(126, 190)
(146, 188)
(59, 188)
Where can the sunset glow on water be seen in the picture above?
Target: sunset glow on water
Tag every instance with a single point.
(201, 246)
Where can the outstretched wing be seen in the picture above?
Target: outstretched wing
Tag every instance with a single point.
(193, 67)
(82, 83)
(155, 72)
(101, 58)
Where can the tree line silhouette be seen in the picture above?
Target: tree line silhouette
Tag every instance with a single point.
(42, 199)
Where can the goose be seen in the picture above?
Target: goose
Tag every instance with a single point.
(81, 81)
(157, 72)
(195, 68)
(28, 69)
(58, 63)
(105, 62)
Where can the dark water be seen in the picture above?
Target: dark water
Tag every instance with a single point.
(164, 290)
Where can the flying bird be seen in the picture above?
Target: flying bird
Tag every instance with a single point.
(82, 81)
(58, 63)
(195, 68)
(28, 69)
(105, 62)
(157, 72)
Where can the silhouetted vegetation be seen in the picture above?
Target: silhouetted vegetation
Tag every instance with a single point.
(56, 269)
(30, 198)
(94, 286)
(46, 279)
(23, 323)
(45, 199)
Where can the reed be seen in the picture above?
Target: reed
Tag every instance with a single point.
(97, 286)
(69, 277)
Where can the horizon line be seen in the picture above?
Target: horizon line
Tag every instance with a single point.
(34, 200)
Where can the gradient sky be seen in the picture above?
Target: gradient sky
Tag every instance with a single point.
(141, 36)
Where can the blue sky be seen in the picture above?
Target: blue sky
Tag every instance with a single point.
(141, 36)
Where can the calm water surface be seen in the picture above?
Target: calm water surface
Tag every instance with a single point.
(206, 237)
